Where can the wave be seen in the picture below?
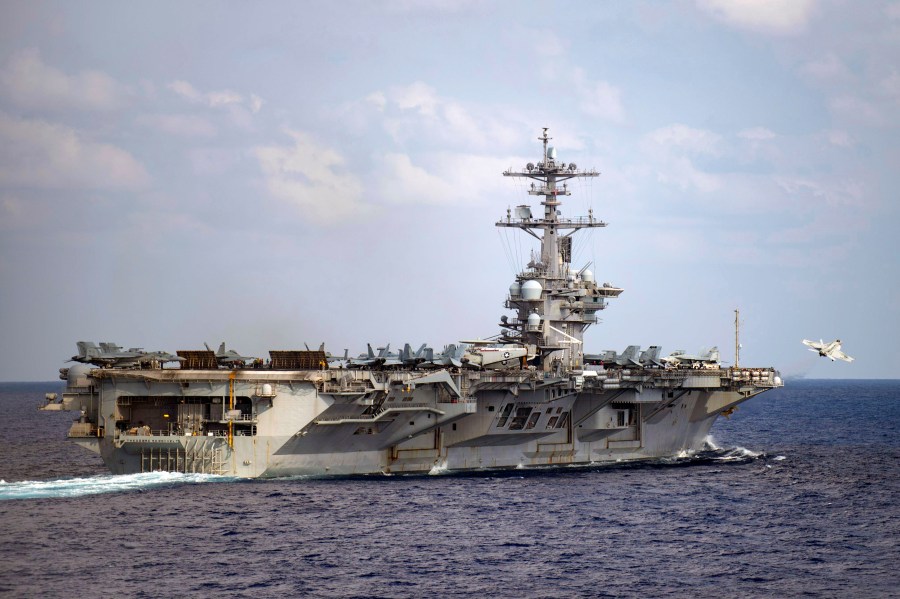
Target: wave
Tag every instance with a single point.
(439, 469)
(740, 453)
(731, 453)
(94, 485)
(710, 443)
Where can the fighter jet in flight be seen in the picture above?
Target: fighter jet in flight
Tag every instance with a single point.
(828, 350)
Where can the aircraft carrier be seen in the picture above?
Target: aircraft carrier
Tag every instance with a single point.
(529, 396)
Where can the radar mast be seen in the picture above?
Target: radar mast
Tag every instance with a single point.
(555, 303)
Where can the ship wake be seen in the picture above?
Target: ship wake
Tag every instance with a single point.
(95, 485)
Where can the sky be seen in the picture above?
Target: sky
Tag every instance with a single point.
(270, 174)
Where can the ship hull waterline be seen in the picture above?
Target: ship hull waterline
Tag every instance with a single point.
(410, 423)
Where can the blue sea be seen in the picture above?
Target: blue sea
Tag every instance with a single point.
(797, 496)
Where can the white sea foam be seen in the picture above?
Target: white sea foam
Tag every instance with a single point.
(439, 469)
(778, 458)
(740, 453)
(711, 443)
(93, 485)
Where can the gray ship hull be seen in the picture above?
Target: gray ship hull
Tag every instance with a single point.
(274, 424)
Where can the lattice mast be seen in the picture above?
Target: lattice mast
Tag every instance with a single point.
(567, 301)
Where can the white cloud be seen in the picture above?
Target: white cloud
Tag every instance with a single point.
(377, 100)
(831, 194)
(757, 134)
(433, 6)
(827, 68)
(419, 97)
(309, 176)
(779, 17)
(599, 98)
(416, 112)
(37, 154)
(28, 82)
(256, 103)
(215, 99)
(402, 181)
(855, 109)
(682, 173)
(550, 45)
(596, 98)
(186, 90)
(669, 149)
(183, 125)
(224, 98)
(685, 138)
(840, 138)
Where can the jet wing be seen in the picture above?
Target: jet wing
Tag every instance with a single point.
(815, 345)
(840, 356)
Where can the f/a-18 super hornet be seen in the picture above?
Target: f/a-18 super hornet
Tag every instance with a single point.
(831, 349)
(628, 358)
(705, 359)
(229, 357)
(650, 357)
(371, 359)
(451, 356)
(338, 361)
(410, 358)
(111, 355)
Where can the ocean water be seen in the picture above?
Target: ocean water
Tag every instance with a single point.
(798, 495)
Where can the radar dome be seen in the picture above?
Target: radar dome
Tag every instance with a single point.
(515, 289)
(531, 290)
(534, 319)
(78, 375)
(587, 276)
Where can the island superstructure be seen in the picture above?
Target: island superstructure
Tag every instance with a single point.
(530, 396)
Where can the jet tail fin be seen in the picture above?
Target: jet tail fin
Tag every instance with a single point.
(87, 349)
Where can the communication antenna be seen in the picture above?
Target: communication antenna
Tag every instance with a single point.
(737, 338)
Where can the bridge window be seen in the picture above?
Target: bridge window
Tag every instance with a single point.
(518, 422)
